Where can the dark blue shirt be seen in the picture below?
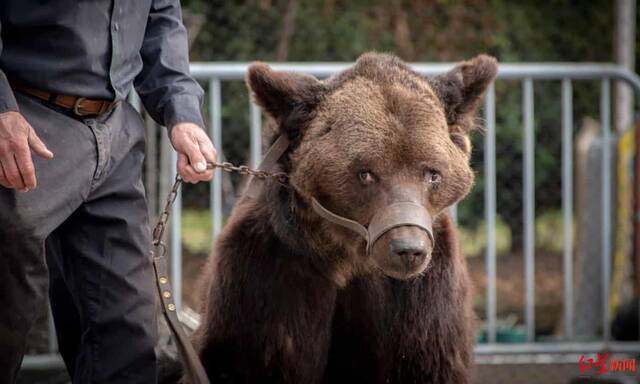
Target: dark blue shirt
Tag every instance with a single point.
(98, 49)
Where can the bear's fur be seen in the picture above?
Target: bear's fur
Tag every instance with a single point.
(293, 298)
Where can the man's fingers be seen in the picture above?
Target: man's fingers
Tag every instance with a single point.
(185, 170)
(25, 166)
(207, 149)
(38, 146)
(3, 179)
(193, 176)
(196, 159)
(209, 153)
(11, 172)
(206, 176)
(17, 142)
(183, 161)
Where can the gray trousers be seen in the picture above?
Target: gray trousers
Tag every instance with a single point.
(88, 215)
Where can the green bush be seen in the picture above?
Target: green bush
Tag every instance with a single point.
(474, 238)
(196, 231)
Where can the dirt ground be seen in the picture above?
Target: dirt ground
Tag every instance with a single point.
(510, 290)
(192, 267)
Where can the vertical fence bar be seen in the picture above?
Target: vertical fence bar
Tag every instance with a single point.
(605, 117)
(529, 208)
(567, 204)
(256, 135)
(215, 104)
(176, 241)
(453, 212)
(490, 208)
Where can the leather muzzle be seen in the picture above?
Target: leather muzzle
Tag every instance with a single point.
(392, 216)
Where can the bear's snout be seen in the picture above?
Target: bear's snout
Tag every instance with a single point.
(403, 252)
(409, 250)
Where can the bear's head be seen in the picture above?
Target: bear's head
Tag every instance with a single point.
(374, 136)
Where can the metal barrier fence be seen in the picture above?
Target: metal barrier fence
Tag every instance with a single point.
(215, 73)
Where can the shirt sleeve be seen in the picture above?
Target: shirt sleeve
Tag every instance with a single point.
(166, 89)
(7, 98)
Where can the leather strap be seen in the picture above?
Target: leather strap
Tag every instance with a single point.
(274, 153)
(80, 106)
(192, 365)
(339, 220)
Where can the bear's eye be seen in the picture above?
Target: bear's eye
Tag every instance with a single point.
(366, 176)
(432, 177)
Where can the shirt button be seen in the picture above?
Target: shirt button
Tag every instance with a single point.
(116, 27)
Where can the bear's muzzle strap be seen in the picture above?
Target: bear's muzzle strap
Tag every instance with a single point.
(399, 215)
(392, 216)
(339, 220)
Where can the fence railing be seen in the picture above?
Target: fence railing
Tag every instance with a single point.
(213, 74)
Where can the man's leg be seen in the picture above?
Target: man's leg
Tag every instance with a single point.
(26, 219)
(66, 312)
(106, 266)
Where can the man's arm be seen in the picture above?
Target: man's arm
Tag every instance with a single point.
(17, 140)
(170, 94)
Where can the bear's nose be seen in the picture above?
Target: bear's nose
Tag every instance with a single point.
(408, 248)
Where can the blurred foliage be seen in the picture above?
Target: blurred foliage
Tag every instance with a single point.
(435, 30)
(423, 31)
(196, 231)
(548, 233)
(474, 238)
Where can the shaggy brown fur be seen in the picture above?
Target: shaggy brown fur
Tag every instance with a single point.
(293, 298)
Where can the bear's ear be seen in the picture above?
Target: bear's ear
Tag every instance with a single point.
(461, 89)
(288, 97)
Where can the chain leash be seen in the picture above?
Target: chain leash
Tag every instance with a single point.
(158, 231)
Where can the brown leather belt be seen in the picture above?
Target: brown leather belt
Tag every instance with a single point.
(80, 106)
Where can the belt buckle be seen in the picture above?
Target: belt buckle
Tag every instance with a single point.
(76, 107)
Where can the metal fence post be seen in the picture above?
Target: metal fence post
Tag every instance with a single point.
(215, 112)
(567, 204)
(490, 208)
(529, 208)
(605, 123)
(256, 135)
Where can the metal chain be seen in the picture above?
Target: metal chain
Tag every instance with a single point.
(279, 177)
(158, 230)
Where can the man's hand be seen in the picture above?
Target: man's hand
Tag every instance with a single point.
(17, 140)
(194, 151)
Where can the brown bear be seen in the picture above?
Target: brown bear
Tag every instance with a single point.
(295, 295)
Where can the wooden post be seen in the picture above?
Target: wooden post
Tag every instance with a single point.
(624, 51)
(588, 189)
